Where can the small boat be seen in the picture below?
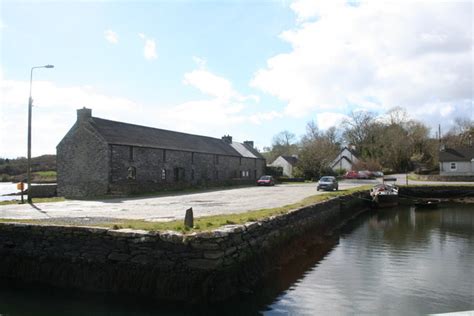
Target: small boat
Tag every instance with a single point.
(427, 203)
(384, 195)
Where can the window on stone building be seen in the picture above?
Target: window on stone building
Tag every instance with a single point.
(130, 153)
(178, 174)
(244, 174)
(163, 174)
(453, 166)
(131, 173)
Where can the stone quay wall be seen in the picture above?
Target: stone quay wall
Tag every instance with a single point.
(437, 191)
(199, 267)
(44, 191)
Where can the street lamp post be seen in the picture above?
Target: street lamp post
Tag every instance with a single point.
(30, 106)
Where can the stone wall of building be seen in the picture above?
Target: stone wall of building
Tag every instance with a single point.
(199, 267)
(82, 163)
(158, 169)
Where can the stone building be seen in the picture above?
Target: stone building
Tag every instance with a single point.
(99, 157)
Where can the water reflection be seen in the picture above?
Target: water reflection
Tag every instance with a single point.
(393, 262)
(400, 261)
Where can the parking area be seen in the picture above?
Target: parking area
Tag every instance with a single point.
(163, 208)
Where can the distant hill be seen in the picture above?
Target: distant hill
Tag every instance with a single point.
(15, 169)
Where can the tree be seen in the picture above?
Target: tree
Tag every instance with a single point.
(460, 134)
(317, 151)
(358, 130)
(284, 143)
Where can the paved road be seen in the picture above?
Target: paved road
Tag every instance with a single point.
(164, 208)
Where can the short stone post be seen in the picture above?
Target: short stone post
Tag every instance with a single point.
(189, 218)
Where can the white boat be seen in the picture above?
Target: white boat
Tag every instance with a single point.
(384, 195)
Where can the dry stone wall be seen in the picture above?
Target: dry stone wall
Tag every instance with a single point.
(201, 267)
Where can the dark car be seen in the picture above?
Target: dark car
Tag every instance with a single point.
(266, 180)
(328, 183)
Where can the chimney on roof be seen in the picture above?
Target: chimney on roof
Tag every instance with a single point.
(84, 114)
(227, 139)
(249, 143)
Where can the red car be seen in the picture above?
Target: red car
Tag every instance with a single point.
(358, 175)
(266, 180)
(351, 175)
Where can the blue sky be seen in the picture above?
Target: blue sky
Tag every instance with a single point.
(246, 68)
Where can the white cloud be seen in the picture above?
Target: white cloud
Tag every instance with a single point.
(149, 50)
(200, 62)
(210, 84)
(214, 85)
(326, 120)
(375, 55)
(111, 36)
(54, 110)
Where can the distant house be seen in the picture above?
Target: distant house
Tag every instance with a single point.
(287, 163)
(456, 161)
(345, 160)
(99, 157)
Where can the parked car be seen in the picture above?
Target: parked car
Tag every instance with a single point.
(378, 174)
(266, 180)
(328, 183)
(351, 175)
(364, 174)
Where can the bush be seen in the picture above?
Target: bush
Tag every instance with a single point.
(274, 171)
(286, 179)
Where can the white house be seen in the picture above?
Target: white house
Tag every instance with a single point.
(287, 163)
(345, 160)
(456, 161)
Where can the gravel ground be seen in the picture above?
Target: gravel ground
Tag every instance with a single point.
(171, 207)
(166, 208)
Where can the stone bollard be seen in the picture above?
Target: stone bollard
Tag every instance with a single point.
(189, 218)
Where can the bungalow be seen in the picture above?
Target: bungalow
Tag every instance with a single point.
(456, 161)
(287, 163)
(345, 160)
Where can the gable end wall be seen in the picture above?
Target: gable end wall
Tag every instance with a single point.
(82, 163)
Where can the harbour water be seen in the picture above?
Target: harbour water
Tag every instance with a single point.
(399, 261)
(7, 188)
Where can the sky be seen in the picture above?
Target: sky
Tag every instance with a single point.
(248, 69)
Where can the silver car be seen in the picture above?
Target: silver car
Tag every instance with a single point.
(328, 183)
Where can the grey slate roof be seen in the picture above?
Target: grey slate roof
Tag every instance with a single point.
(291, 160)
(342, 158)
(456, 154)
(242, 150)
(120, 133)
